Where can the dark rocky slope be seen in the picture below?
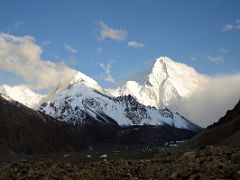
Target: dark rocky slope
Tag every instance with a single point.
(23, 130)
(225, 132)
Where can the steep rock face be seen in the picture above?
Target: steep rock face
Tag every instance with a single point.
(167, 83)
(78, 99)
(21, 94)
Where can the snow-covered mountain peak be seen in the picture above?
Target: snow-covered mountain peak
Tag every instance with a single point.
(80, 78)
(21, 94)
(184, 79)
(170, 67)
(166, 84)
(162, 60)
(130, 88)
(79, 102)
(163, 65)
(78, 83)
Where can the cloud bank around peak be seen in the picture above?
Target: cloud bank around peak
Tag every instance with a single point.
(22, 56)
(213, 97)
(219, 94)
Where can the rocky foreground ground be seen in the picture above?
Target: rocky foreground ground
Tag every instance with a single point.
(203, 163)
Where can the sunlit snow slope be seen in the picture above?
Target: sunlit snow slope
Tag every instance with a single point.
(167, 83)
(83, 96)
(21, 94)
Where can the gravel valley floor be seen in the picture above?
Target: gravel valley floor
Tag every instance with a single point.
(211, 162)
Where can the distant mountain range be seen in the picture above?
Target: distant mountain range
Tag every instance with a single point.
(81, 114)
(83, 96)
(26, 131)
(168, 82)
(21, 94)
(163, 96)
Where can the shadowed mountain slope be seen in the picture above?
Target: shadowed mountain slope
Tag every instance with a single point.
(225, 132)
(23, 130)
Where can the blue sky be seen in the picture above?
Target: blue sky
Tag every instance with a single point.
(108, 40)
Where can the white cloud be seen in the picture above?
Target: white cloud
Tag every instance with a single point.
(216, 59)
(107, 32)
(229, 27)
(107, 71)
(135, 44)
(237, 24)
(219, 94)
(70, 49)
(223, 50)
(22, 56)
